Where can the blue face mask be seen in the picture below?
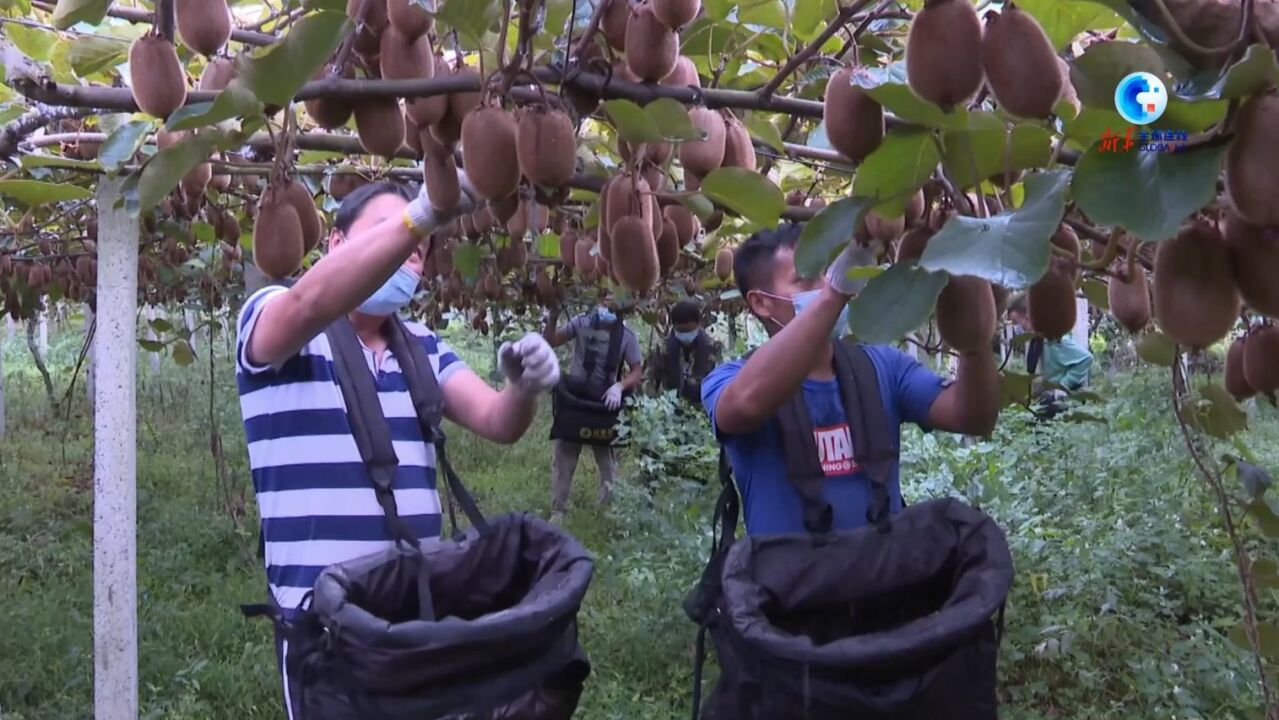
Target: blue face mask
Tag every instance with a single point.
(686, 337)
(605, 314)
(394, 294)
(802, 300)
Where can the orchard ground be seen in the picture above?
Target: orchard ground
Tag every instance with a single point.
(1124, 596)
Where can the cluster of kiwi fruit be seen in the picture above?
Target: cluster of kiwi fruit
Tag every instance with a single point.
(156, 75)
(71, 266)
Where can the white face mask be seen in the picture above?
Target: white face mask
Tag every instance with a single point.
(686, 337)
(802, 300)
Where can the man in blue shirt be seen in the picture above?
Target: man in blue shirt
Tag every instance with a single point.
(802, 316)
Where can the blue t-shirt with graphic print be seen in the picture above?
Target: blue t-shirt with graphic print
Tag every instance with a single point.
(770, 503)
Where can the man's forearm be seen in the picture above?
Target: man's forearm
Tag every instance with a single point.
(633, 378)
(510, 415)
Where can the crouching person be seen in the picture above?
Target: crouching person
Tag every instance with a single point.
(317, 502)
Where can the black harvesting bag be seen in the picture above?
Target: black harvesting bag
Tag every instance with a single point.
(578, 413)
(479, 627)
(897, 620)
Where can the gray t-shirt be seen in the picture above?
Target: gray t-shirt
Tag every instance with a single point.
(588, 339)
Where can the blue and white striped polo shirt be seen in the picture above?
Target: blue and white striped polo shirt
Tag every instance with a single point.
(314, 495)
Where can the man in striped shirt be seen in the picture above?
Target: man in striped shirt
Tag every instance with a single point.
(316, 500)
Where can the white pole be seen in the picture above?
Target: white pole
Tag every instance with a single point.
(44, 330)
(1081, 323)
(115, 617)
(8, 326)
(189, 318)
(2, 428)
(152, 335)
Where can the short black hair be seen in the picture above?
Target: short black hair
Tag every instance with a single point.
(686, 311)
(753, 259)
(353, 204)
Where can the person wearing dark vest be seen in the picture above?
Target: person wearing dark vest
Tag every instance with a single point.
(689, 354)
(804, 375)
(589, 398)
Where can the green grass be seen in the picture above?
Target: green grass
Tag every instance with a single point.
(1123, 595)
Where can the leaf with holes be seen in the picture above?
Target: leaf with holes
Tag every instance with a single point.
(747, 193)
(1170, 187)
(633, 124)
(899, 166)
(1010, 249)
(894, 303)
(828, 233)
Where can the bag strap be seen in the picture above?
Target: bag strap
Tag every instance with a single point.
(700, 604)
(428, 404)
(368, 425)
(875, 445)
(614, 357)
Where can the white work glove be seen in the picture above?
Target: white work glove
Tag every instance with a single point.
(853, 256)
(421, 219)
(613, 397)
(529, 363)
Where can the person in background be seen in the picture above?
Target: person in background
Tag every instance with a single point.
(602, 343)
(315, 497)
(1062, 361)
(803, 316)
(690, 353)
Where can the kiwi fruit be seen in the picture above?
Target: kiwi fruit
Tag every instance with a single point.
(413, 138)
(448, 130)
(1020, 63)
(375, 17)
(738, 150)
(444, 258)
(684, 74)
(483, 220)
(655, 177)
(1129, 295)
(329, 113)
(943, 52)
(915, 208)
(277, 235)
(702, 157)
(582, 259)
(1051, 304)
(405, 58)
(1251, 159)
(568, 248)
(635, 258)
(668, 247)
(409, 18)
(796, 198)
(217, 74)
(1066, 239)
(1235, 379)
(1261, 359)
(342, 184)
(854, 121)
(303, 204)
(675, 14)
(724, 263)
(518, 224)
(489, 144)
(461, 104)
(427, 111)
(380, 125)
(546, 146)
(518, 254)
(913, 243)
(158, 83)
(628, 195)
(196, 182)
(654, 215)
(885, 229)
(506, 208)
(1195, 298)
(685, 223)
(203, 25)
(651, 47)
(1254, 260)
(966, 315)
(616, 18)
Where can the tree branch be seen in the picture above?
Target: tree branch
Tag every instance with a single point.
(13, 133)
(845, 15)
(138, 15)
(165, 21)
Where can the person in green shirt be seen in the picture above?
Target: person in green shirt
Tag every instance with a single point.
(1061, 361)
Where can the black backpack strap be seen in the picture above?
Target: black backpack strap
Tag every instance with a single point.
(428, 403)
(700, 605)
(875, 444)
(614, 357)
(368, 424)
(803, 465)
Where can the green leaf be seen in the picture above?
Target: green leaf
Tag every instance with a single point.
(57, 161)
(166, 169)
(203, 232)
(182, 353)
(1255, 481)
(471, 18)
(633, 124)
(888, 87)
(1012, 248)
(747, 193)
(1220, 416)
(161, 325)
(234, 101)
(592, 218)
(1264, 514)
(1097, 294)
(466, 259)
(150, 345)
(548, 245)
(701, 206)
(1256, 70)
(894, 303)
(89, 55)
(70, 12)
(123, 143)
(1097, 72)
(1014, 388)
(1148, 194)
(808, 17)
(36, 192)
(718, 9)
(34, 43)
(671, 120)
(762, 129)
(769, 13)
(1062, 20)
(1028, 146)
(1157, 349)
(828, 233)
(275, 76)
(1267, 638)
(901, 164)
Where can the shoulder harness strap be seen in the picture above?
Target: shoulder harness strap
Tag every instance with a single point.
(875, 445)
